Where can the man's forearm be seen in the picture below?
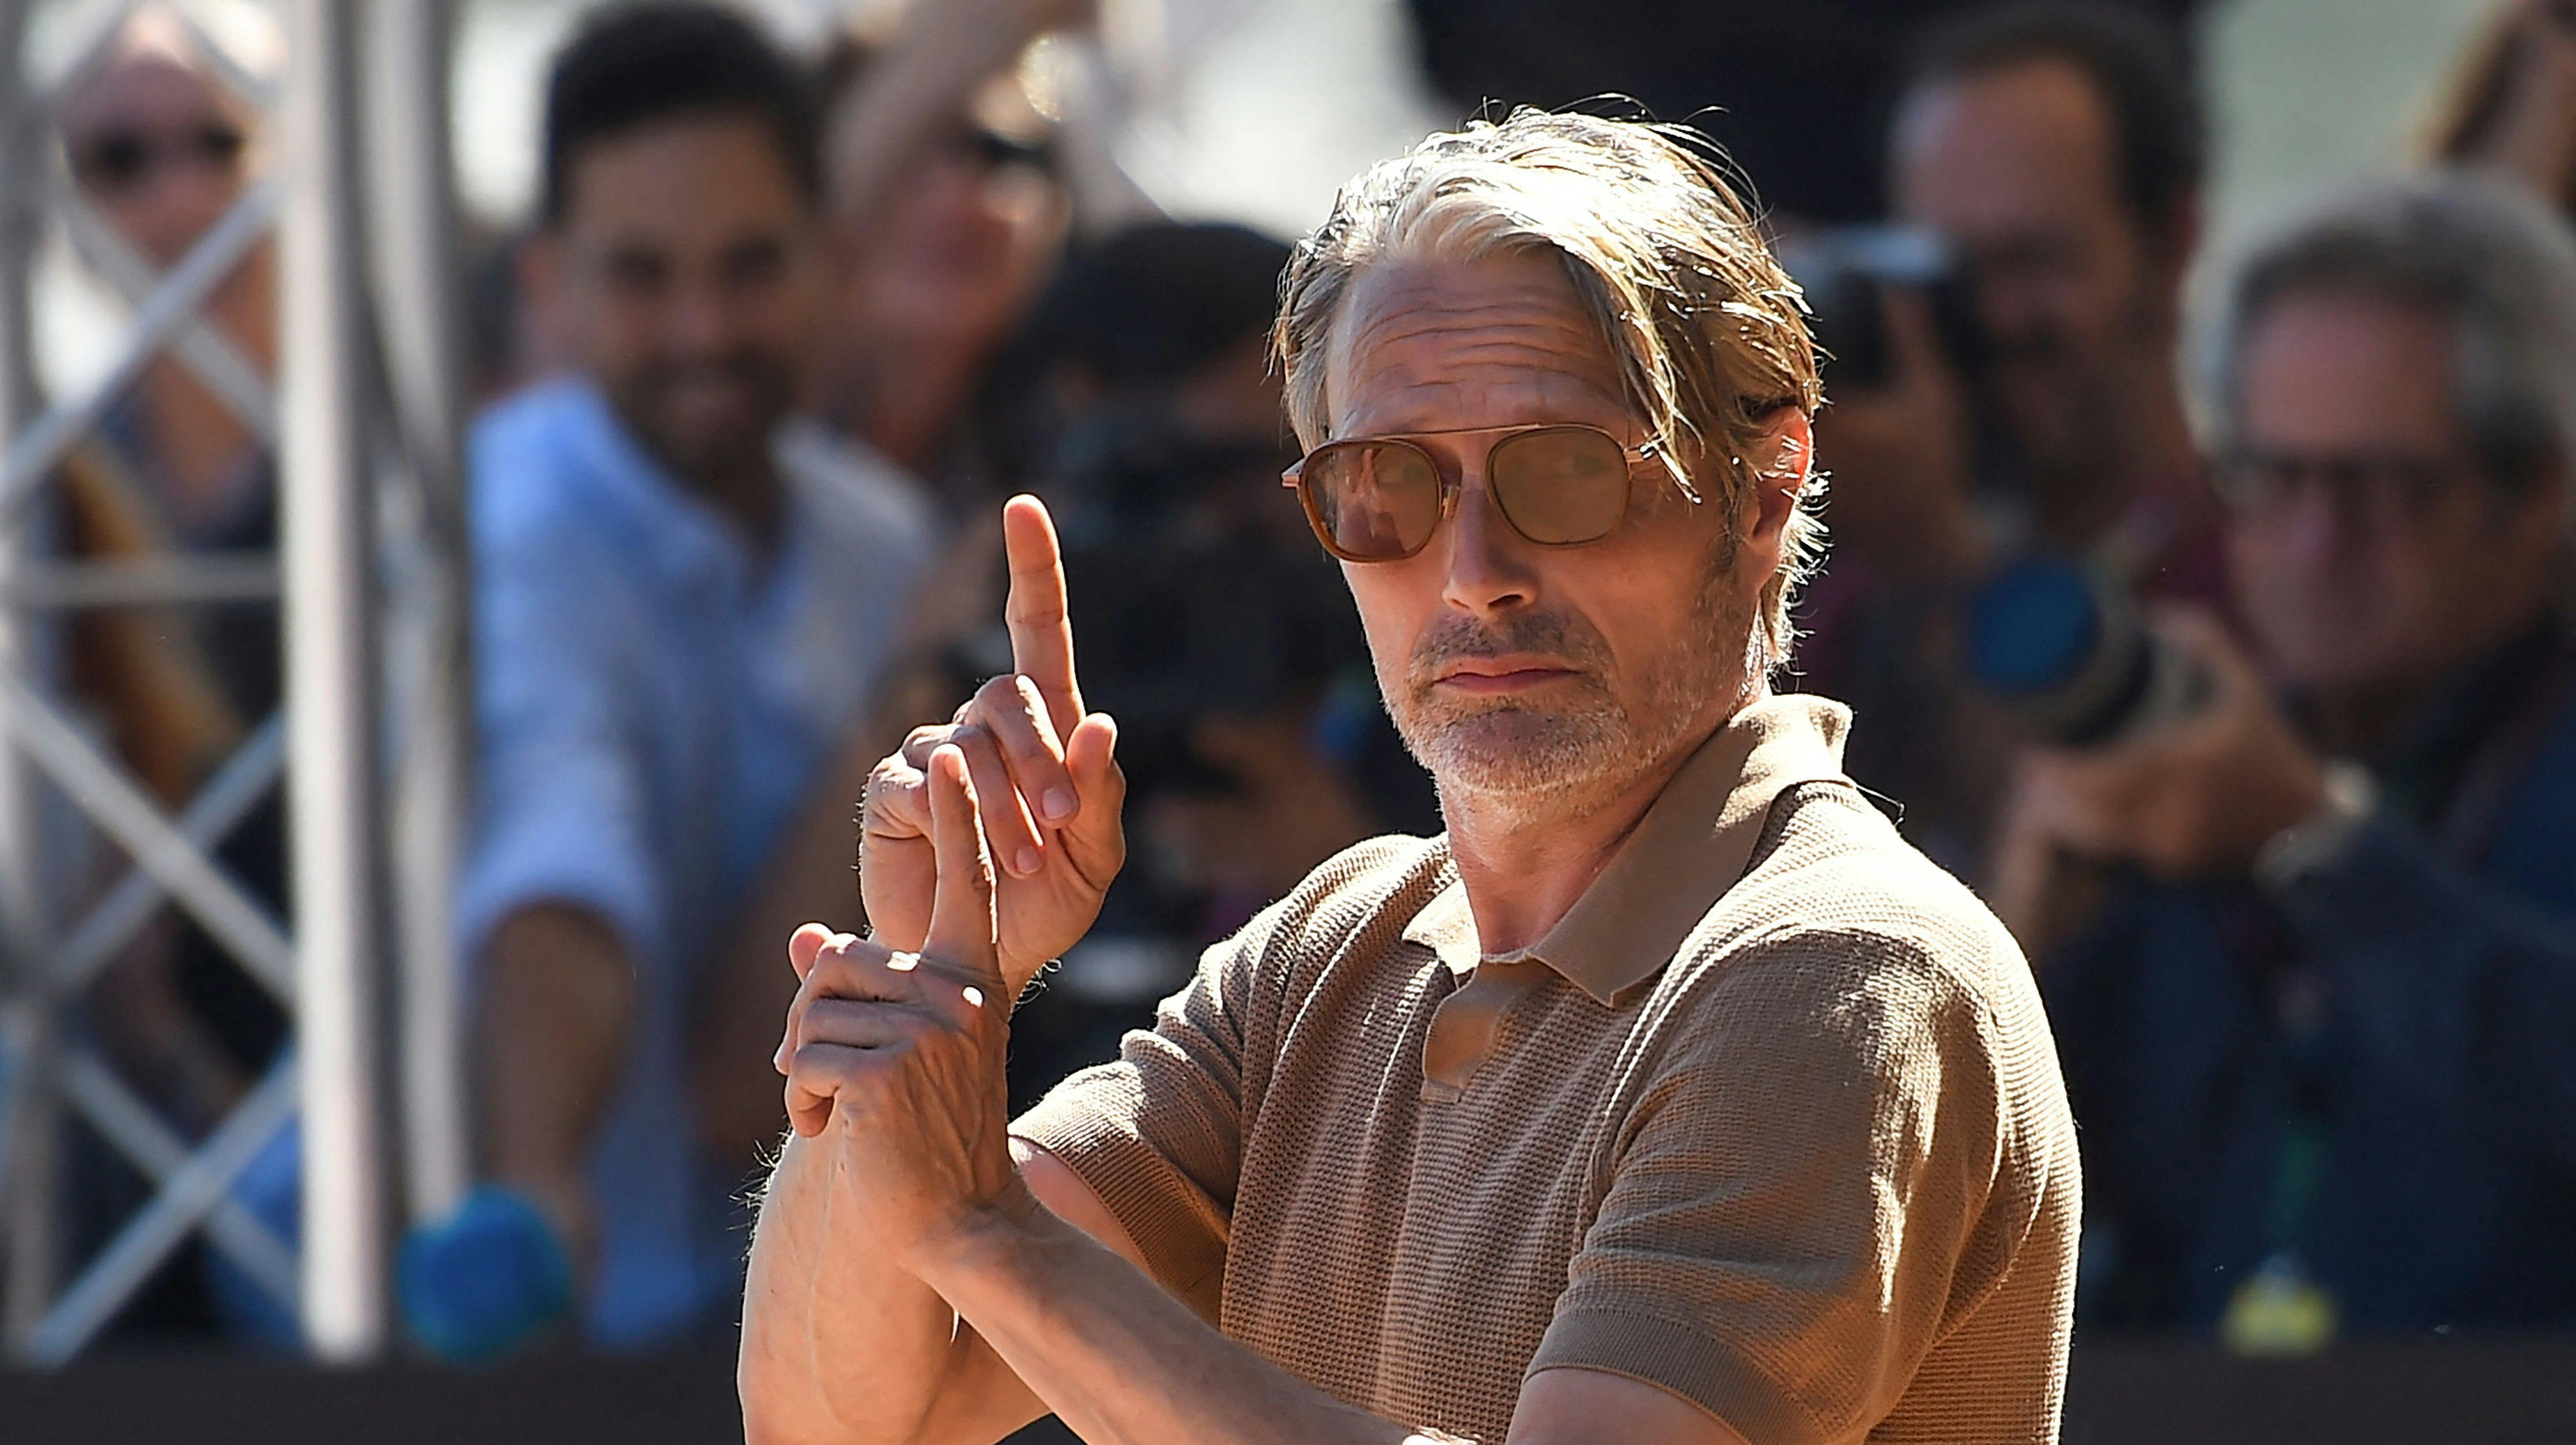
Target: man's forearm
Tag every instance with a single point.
(558, 1010)
(840, 1345)
(1121, 1360)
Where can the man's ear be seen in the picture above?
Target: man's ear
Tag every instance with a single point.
(1779, 465)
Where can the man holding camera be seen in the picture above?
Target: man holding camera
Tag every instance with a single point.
(2021, 400)
(2316, 1018)
(1667, 1096)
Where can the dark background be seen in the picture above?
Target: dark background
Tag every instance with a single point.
(2496, 1393)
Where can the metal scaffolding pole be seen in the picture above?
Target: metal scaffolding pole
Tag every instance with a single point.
(327, 551)
(371, 573)
(29, 1100)
(420, 304)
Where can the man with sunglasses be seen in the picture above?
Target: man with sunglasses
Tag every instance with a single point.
(1669, 1095)
(2317, 1012)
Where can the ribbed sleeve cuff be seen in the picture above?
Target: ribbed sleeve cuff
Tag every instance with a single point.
(1180, 1230)
(1680, 1359)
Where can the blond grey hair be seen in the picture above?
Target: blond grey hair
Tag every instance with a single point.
(1710, 333)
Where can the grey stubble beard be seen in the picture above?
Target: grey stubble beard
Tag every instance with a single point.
(1527, 764)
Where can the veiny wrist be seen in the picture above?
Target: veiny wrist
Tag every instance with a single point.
(979, 1242)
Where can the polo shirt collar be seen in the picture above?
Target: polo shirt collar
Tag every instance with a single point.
(1691, 846)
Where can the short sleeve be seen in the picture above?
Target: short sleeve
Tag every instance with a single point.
(1158, 1134)
(561, 809)
(1790, 1209)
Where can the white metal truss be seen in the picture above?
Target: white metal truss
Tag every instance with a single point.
(371, 743)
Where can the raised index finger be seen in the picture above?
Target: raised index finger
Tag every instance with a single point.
(1041, 630)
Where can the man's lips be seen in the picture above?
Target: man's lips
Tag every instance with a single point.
(1485, 675)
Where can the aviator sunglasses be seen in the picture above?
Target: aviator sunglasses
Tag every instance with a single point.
(1379, 499)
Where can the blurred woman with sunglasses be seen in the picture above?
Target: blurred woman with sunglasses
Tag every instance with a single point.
(950, 213)
(158, 149)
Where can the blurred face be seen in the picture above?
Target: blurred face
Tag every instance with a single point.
(1527, 678)
(960, 243)
(2372, 556)
(2017, 169)
(689, 283)
(157, 150)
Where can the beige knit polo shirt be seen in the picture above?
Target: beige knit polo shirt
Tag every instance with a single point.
(1771, 1119)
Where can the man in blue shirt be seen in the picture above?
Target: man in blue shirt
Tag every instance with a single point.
(2317, 1013)
(682, 599)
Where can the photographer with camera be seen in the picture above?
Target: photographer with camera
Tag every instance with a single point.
(2313, 961)
(2003, 374)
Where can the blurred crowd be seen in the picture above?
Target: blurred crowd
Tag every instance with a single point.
(2231, 659)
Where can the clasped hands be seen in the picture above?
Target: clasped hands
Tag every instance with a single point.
(894, 1045)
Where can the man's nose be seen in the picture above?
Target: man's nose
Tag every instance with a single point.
(175, 207)
(703, 319)
(2315, 526)
(1489, 567)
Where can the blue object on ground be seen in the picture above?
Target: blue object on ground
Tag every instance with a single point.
(486, 1282)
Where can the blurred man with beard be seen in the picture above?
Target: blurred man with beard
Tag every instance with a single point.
(2031, 407)
(2057, 149)
(679, 613)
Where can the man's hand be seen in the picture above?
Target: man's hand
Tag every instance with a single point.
(1899, 453)
(2198, 797)
(895, 1059)
(1045, 772)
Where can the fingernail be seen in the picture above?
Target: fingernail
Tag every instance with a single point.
(1027, 861)
(840, 942)
(1060, 804)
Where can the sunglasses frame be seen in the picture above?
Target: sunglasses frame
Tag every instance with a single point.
(1452, 485)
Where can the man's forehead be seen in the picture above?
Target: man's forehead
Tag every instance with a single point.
(683, 172)
(145, 87)
(1432, 345)
(2020, 132)
(2331, 369)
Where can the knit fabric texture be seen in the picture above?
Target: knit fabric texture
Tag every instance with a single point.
(1771, 1120)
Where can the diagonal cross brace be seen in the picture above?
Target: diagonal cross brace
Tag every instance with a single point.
(195, 1188)
(172, 306)
(232, 792)
(137, 1132)
(118, 805)
(202, 348)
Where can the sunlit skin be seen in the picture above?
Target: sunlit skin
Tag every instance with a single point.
(1437, 347)
(2367, 617)
(686, 264)
(2017, 168)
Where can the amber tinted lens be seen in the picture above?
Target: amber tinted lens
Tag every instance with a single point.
(1372, 501)
(1561, 485)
